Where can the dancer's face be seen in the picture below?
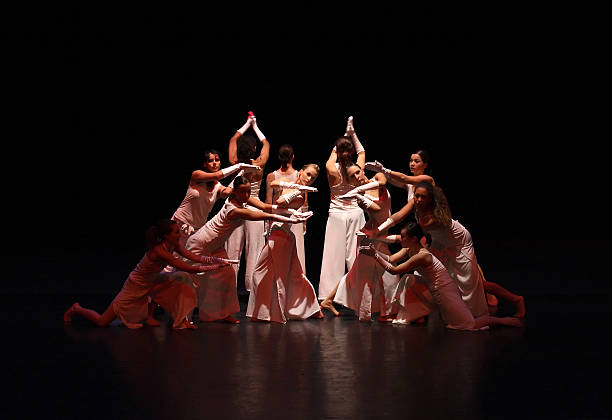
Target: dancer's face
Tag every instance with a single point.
(307, 176)
(421, 198)
(356, 176)
(417, 166)
(212, 163)
(407, 241)
(174, 235)
(243, 192)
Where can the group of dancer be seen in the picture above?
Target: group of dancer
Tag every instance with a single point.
(192, 260)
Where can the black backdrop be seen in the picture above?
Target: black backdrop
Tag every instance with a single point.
(108, 113)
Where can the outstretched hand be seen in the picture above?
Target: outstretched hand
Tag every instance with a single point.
(350, 130)
(375, 166)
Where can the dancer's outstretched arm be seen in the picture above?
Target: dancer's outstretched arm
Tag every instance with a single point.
(161, 253)
(398, 178)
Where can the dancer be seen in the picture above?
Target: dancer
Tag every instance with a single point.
(250, 235)
(281, 290)
(217, 297)
(148, 285)
(287, 173)
(452, 244)
(453, 309)
(345, 217)
(203, 190)
(419, 167)
(367, 288)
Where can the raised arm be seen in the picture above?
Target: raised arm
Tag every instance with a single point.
(333, 177)
(232, 149)
(359, 150)
(264, 154)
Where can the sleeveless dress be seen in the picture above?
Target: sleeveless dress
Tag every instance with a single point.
(172, 291)
(368, 287)
(193, 211)
(217, 295)
(445, 294)
(345, 219)
(454, 248)
(250, 237)
(299, 229)
(281, 291)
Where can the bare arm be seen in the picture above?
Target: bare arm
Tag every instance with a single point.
(270, 179)
(404, 179)
(333, 177)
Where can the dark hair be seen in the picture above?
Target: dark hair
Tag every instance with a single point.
(240, 180)
(155, 233)
(425, 158)
(245, 148)
(209, 152)
(441, 209)
(345, 144)
(285, 153)
(413, 230)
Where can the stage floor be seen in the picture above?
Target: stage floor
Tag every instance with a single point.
(555, 367)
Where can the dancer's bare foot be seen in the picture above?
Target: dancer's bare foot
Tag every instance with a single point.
(386, 318)
(70, 311)
(231, 320)
(520, 307)
(186, 325)
(329, 305)
(152, 322)
(492, 300)
(253, 319)
(318, 315)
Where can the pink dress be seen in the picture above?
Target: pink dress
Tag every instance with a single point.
(281, 291)
(193, 211)
(367, 288)
(299, 229)
(454, 248)
(217, 294)
(446, 295)
(172, 291)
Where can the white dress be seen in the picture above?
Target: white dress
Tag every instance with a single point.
(299, 229)
(345, 219)
(250, 237)
(454, 248)
(281, 291)
(368, 287)
(217, 295)
(445, 294)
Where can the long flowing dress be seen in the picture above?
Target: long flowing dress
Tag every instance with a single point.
(217, 295)
(172, 291)
(455, 249)
(445, 294)
(250, 237)
(281, 290)
(345, 219)
(299, 229)
(367, 288)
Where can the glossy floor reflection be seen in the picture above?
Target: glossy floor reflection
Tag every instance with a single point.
(332, 368)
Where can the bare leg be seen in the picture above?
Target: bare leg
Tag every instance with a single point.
(328, 302)
(89, 314)
(502, 293)
(486, 320)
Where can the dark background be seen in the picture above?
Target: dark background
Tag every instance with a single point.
(107, 113)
